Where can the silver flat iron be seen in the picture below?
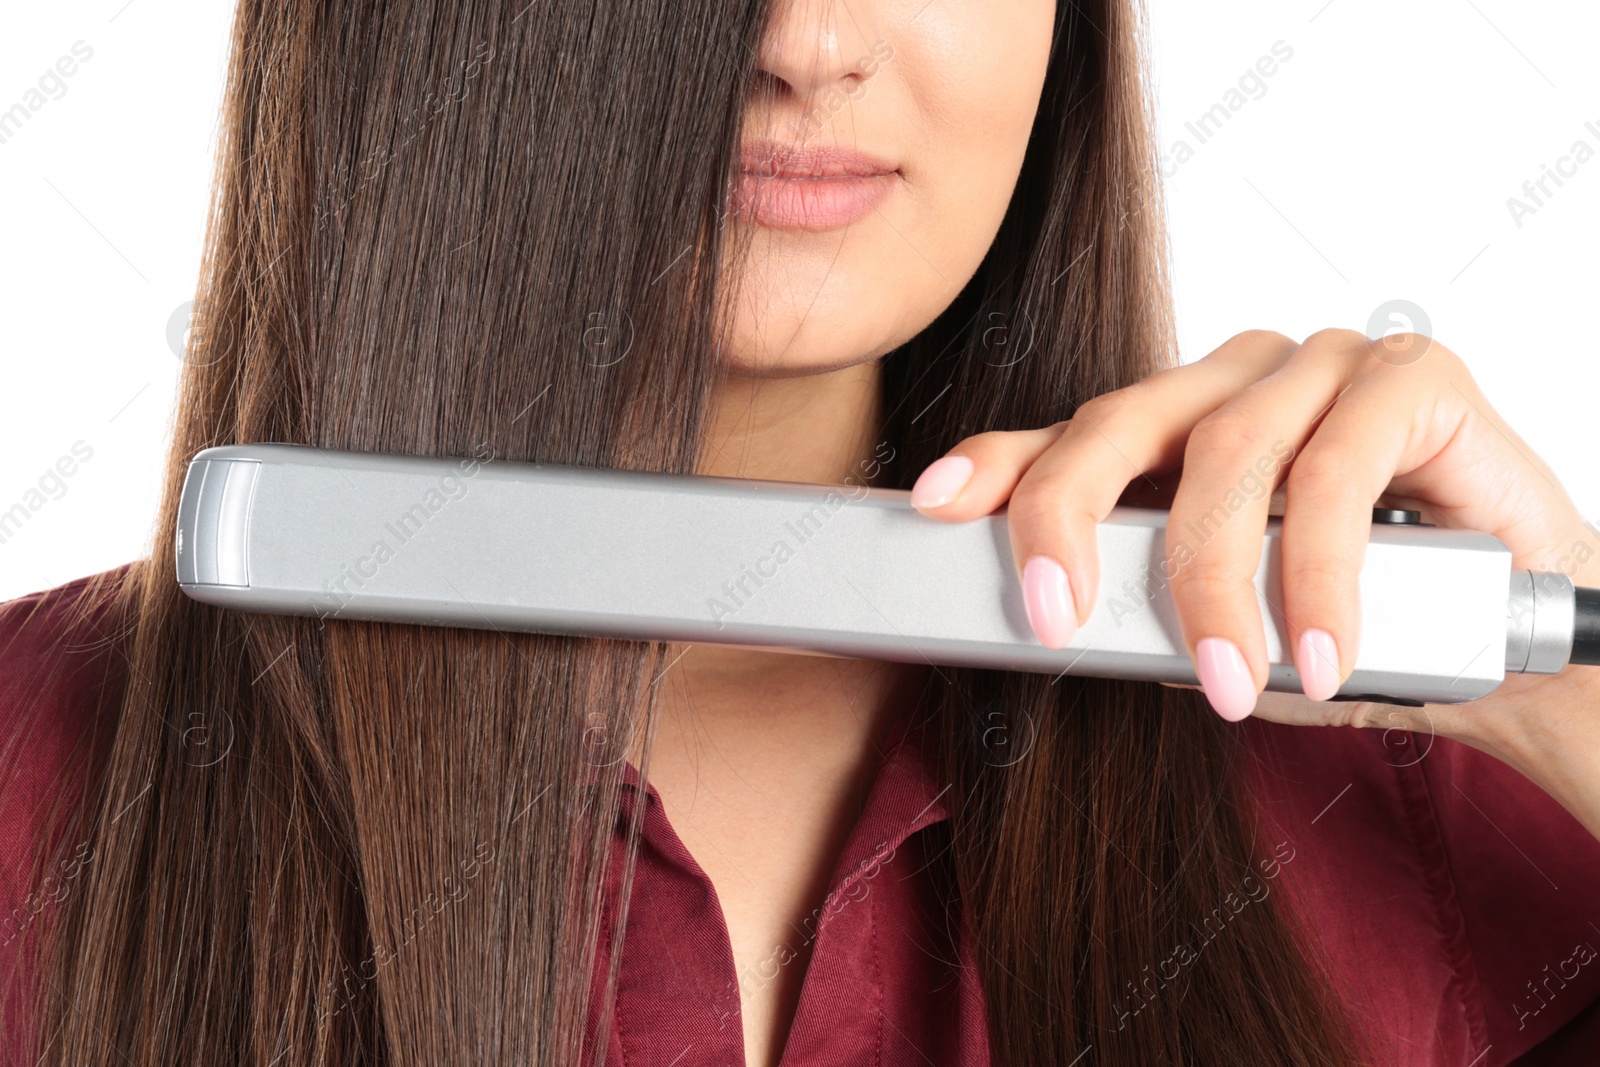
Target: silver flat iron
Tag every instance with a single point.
(831, 570)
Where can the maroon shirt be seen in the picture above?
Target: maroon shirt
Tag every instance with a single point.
(1458, 905)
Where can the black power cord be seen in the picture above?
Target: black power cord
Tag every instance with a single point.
(1586, 627)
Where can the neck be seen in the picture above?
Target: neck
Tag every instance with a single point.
(815, 428)
(819, 428)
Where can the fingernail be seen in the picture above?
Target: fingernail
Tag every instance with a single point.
(1319, 664)
(1225, 677)
(941, 482)
(1047, 596)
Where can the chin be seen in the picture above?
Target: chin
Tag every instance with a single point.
(812, 311)
(792, 350)
(828, 336)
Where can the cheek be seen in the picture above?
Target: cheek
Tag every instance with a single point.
(977, 79)
(971, 83)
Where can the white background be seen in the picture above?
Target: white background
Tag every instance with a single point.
(1376, 165)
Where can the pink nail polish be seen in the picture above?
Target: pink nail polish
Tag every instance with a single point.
(1318, 662)
(1047, 596)
(1225, 678)
(942, 482)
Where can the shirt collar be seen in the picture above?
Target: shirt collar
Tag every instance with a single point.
(905, 796)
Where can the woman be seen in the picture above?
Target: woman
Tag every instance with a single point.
(902, 242)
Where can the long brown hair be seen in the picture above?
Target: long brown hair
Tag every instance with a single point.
(426, 216)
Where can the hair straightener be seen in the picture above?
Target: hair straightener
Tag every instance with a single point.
(822, 569)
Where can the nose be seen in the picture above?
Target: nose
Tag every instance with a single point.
(813, 48)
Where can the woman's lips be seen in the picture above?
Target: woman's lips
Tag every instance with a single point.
(809, 188)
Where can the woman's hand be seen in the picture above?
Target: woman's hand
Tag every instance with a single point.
(1339, 421)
